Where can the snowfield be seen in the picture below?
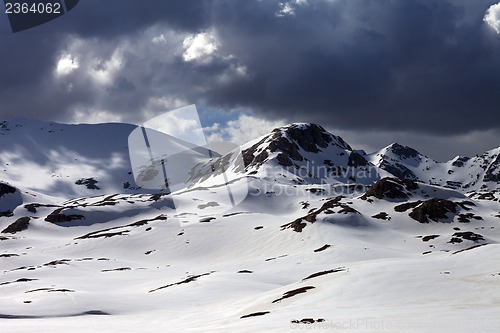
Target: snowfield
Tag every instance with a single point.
(321, 251)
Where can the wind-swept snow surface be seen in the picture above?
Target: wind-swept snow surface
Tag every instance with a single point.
(327, 251)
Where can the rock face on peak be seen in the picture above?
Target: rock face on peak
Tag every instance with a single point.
(310, 137)
(404, 152)
(309, 152)
(398, 160)
(289, 141)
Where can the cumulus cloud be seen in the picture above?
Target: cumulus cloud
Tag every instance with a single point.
(241, 130)
(66, 64)
(93, 116)
(199, 47)
(492, 17)
(288, 8)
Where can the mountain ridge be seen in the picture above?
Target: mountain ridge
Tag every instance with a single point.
(81, 160)
(394, 160)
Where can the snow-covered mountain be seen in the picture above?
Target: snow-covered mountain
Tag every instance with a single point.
(326, 237)
(479, 173)
(66, 161)
(307, 153)
(70, 161)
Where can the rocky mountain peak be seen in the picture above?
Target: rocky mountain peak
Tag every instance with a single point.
(310, 137)
(290, 142)
(403, 152)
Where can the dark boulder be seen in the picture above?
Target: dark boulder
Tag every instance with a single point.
(90, 183)
(433, 210)
(7, 213)
(20, 225)
(469, 235)
(57, 217)
(6, 189)
(407, 205)
(391, 188)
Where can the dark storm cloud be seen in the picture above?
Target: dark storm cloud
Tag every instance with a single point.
(28, 58)
(416, 65)
(111, 18)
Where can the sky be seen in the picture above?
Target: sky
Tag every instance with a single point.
(424, 73)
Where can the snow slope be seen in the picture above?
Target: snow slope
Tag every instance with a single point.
(299, 252)
(50, 158)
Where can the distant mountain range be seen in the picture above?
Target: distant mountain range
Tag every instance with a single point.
(305, 149)
(77, 160)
